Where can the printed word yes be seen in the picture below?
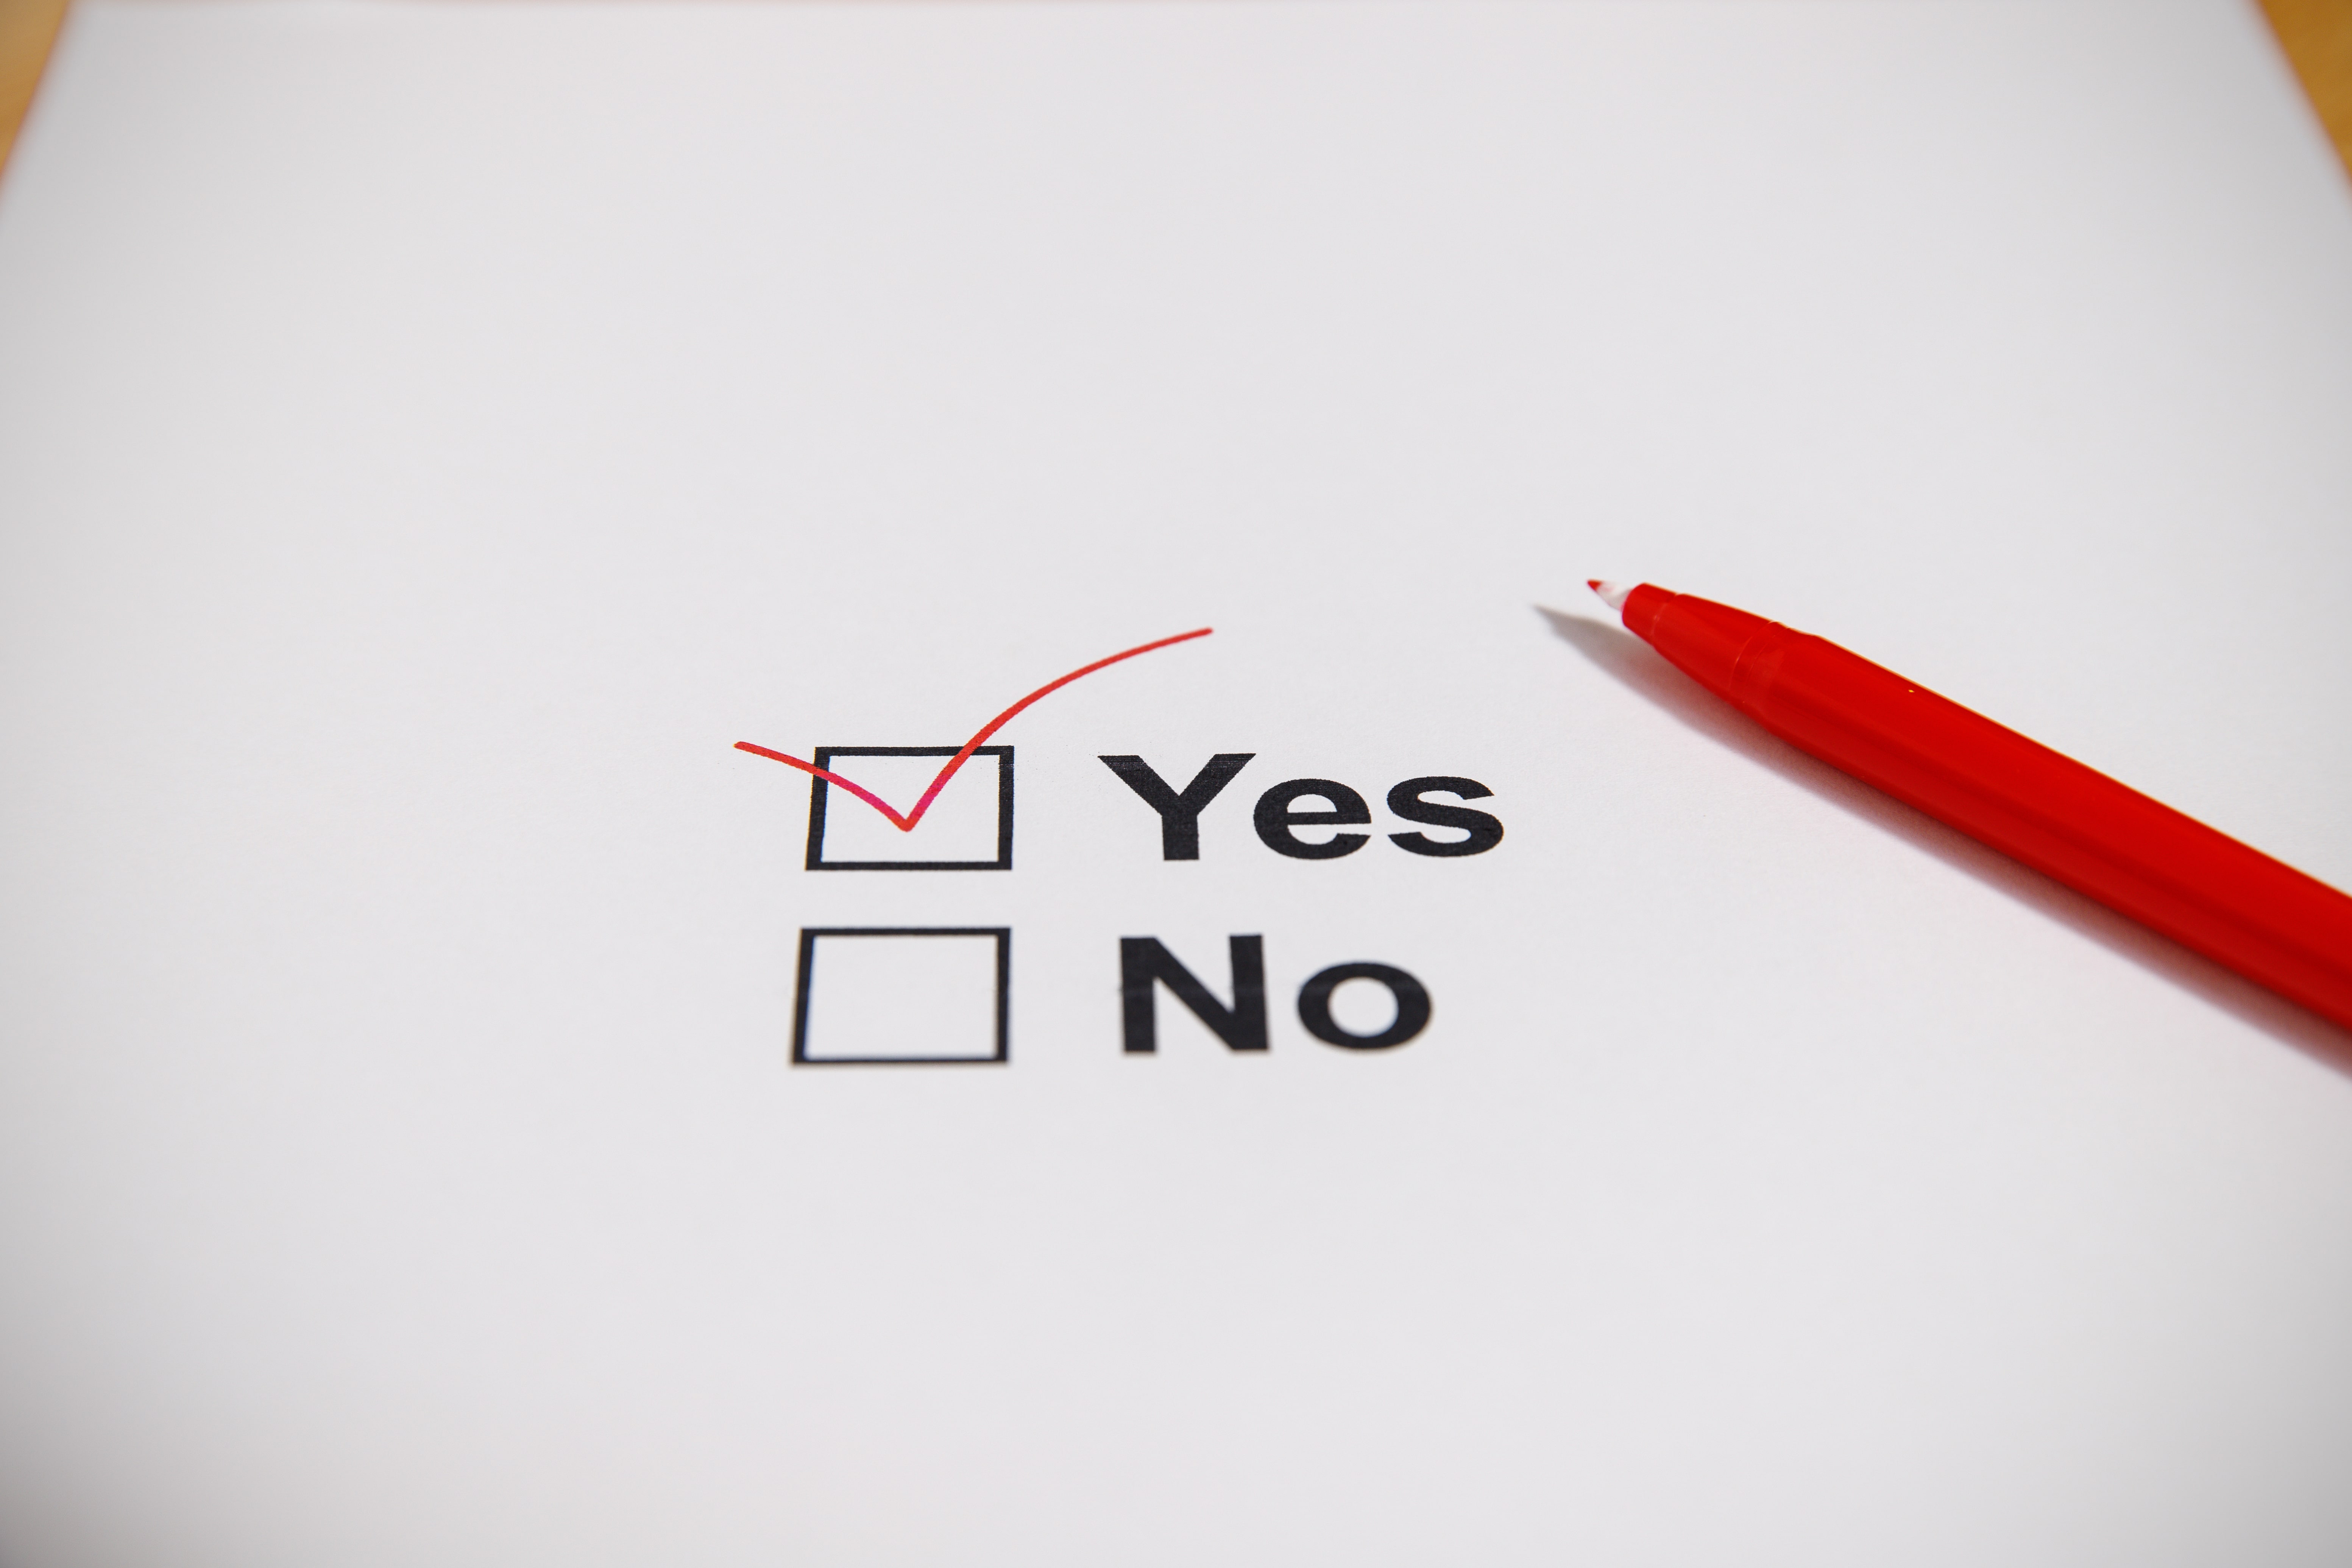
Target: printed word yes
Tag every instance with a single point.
(1279, 813)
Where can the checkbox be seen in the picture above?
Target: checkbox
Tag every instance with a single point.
(902, 995)
(968, 826)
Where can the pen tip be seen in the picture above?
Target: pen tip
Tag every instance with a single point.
(1612, 593)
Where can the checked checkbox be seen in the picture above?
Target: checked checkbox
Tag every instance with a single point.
(903, 996)
(967, 827)
(871, 852)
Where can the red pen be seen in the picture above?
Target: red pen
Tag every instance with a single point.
(2140, 857)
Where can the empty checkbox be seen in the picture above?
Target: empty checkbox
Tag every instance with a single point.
(902, 995)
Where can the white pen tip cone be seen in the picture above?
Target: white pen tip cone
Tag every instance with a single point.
(1612, 593)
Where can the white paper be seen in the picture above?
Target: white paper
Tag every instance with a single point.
(431, 438)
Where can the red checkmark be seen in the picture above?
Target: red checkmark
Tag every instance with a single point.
(906, 823)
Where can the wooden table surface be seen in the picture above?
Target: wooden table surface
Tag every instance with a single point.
(2317, 34)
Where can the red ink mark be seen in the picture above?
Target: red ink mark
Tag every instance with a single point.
(906, 823)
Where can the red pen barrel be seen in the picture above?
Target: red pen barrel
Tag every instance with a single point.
(2206, 890)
